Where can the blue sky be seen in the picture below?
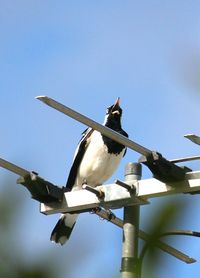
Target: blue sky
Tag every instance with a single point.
(85, 54)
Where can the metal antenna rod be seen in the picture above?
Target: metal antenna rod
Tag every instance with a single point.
(129, 261)
(12, 167)
(89, 122)
(144, 236)
(185, 159)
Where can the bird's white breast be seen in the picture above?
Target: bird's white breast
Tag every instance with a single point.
(97, 164)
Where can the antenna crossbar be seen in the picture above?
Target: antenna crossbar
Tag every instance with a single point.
(91, 123)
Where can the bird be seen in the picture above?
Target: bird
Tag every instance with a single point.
(95, 160)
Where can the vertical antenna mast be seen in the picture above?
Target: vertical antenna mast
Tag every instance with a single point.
(129, 261)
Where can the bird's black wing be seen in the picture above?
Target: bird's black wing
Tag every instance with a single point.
(82, 146)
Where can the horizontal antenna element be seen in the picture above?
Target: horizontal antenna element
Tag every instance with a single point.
(89, 122)
(13, 168)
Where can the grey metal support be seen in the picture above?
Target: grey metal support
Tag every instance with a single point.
(13, 168)
(131, 228)
(144, 236)
(91, 123)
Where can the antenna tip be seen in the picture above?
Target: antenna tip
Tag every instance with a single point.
(188, 135)
(41, 97)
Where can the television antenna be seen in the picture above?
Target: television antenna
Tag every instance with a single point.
(130, 194)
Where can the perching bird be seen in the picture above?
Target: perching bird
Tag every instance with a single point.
(95, 160)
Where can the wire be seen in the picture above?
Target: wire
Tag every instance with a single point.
(151, 241)
(180, 232)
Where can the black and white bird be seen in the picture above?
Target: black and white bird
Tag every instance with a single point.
(95, 160)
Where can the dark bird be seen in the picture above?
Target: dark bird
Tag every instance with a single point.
(96, 159)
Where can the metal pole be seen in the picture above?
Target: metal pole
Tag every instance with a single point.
(89, 122)
(131, 228)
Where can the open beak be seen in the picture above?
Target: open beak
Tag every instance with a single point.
(115, 109)
(117, 102)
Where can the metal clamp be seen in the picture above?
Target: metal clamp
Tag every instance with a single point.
(40, 189)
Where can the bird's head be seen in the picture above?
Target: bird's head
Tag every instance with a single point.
(114, 110)
(113, 113)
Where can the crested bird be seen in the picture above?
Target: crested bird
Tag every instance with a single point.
(95, 160)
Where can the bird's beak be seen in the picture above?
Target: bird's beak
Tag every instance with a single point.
(117, 102)
(115, 109)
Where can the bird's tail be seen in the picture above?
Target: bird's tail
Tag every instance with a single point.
(63, 228)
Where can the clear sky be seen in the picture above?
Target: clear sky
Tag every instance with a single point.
(85, 54)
